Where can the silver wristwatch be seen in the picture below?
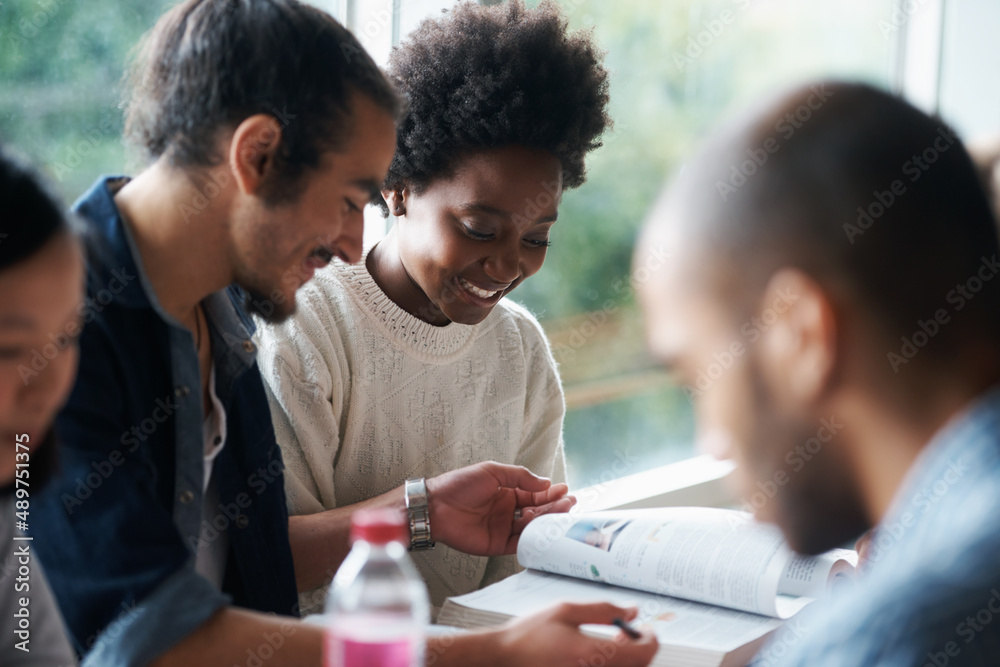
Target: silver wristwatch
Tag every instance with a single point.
(415, 491)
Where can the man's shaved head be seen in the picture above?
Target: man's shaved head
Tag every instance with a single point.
(832, 261)
(857, 188)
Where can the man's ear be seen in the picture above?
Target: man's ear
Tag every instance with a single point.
(396, 200)
(799, 347)
(252, 151)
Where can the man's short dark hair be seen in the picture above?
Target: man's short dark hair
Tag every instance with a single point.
(491, 77)
(208, 64)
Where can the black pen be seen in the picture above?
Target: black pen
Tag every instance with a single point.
(626, 628)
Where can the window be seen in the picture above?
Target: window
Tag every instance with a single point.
(678, 68)
(60, 66)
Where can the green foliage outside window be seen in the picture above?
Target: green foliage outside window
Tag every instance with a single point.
(678, 68)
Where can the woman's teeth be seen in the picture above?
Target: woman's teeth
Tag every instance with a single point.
(481, 293)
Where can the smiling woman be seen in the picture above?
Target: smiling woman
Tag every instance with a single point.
(469, 238)
(413, 363)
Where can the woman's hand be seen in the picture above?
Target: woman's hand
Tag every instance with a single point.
(472, 509)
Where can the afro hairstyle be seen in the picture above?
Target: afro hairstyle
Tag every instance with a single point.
(483, 77)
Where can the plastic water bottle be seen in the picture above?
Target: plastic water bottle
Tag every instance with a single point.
(378, 604)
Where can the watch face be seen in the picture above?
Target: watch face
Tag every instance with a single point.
(415, 491)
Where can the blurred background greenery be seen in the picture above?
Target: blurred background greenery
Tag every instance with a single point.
(61, 62)
(678, 67)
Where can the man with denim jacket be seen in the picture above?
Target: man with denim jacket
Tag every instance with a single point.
(166, 538)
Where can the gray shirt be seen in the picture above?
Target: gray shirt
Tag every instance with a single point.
(22, 580)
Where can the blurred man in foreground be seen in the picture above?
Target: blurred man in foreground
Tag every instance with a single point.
(832, 308)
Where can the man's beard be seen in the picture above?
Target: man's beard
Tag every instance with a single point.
(269, 310)
(823, 514)
(819, 507)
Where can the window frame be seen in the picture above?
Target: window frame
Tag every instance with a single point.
(702, 480)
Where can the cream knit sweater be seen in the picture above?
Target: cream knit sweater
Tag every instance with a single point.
(363, 396)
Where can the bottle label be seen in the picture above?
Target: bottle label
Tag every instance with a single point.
(343, 650)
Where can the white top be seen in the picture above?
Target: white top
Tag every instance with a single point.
(213, 543)
(47, 642)
(364, 396)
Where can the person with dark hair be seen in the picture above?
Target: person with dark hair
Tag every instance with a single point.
(41, 299)
(841, 274)
(413, 363)
(166, 538)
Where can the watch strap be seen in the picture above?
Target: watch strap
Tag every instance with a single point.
(418, 512)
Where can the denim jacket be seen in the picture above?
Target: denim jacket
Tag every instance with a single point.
(118, 529)
(930, 591)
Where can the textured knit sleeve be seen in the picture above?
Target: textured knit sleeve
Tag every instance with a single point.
(304, 365)
(544, 405)
(541, 449)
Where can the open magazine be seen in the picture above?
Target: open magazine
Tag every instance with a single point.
(712, 583)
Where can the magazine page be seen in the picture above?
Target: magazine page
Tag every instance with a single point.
(674, 621)
(816, 576)
(715, 556)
